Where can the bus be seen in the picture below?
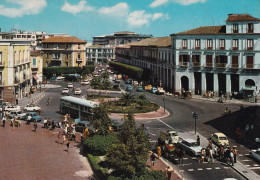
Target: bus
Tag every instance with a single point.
(77, 107)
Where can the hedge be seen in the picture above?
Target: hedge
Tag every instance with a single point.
(61, 71)
(133, 71)
(100, 172)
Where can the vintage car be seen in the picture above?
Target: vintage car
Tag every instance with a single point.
(77, 91)
(255, 153)
(35, 117)
(154, 90)
(65, 91)
(19, 114)
(12, 108)
(190, 146)
(219, 139)
(70, 85)
(85, 82)
(139, 88)
(129, 88)
(31, 107)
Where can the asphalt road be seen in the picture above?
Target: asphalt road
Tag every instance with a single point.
(180, 119)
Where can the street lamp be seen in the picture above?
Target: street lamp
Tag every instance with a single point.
(195, 116)
(164, 104)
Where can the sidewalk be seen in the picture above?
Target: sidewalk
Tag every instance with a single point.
(161, 165)
(28, 155)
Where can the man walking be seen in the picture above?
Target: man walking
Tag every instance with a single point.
(181, 154)
(235, 154)
(168, 172)
(4, 119)
(152, 160)
(45, 123)
(35, 126)
(198, 140)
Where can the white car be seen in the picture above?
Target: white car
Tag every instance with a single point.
(190, 146)
(70, 85)
(255, 153)
(12, 108)
(77, 91)
(219, 139)
(31, 107)
(60, 78)
(65, 91)
(85, 82)
(19, 114)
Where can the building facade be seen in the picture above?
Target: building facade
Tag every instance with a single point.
(221, 59)
(64, 51)
(15, 72)
(154, 54)
(36, 59)
(99, 53)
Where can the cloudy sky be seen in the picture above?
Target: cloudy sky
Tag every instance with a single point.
(88, 18)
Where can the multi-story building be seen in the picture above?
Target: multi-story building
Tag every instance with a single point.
(36, 59)
(64, 51)
(119, 38)
(15, 72)
(221, 59)
(151, 53)
(99, 53)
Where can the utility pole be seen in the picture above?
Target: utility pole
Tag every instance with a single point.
(195, 116)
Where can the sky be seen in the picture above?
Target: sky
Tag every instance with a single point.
(88, 18)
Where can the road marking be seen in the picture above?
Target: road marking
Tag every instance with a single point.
(153, 141)
(247, 165)
(200, 169)
(152, 134)
(256, 165)
(165, 124)
(193, 158)
(209, 168)
(185, 158)
(246, 160)
(240, 154)
(254, 168)
(226, 167)
(217, 167)
(190, 169)
(247, 154)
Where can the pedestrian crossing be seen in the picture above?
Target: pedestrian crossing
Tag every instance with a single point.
(206, 169)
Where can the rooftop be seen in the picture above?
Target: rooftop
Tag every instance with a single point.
(205, 30)
(79, 101)
(241, 17)
(124, 32)
(159, 42)
(64, 39)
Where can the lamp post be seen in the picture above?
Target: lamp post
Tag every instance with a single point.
(195, 116)
(164, 104)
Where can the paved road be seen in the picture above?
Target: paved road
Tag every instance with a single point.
(180, 119)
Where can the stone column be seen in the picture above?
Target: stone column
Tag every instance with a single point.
(203, 83)
(228, 84)
(215, 87)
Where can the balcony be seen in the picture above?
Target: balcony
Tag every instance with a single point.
(78, 60)
(196, 64)
(2, 64)
(235, 48)
(221, 48)
(209, 48)
(234, 66)
(249, 66)
(56, 59)
(183, 64)
(221, 65)
(34, 69)
(184, 47)
(250, 48)
(197, 47)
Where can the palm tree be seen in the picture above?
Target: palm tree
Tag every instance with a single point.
(127, 98)
(142, 99)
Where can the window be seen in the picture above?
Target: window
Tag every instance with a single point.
(47, 55)
(249, 62)
(222, 44)
(34, 62)
(250, 28)
(196, 60)
(67, 45)
(235, 28)
(250, 43)
(67, 56)
(78, 55)
(1, 78)
(78, 46)
(235, 44)
(184, 60)
(184, 43)
(197, 43)
(208, 60)
(209, 43)
(234, 62)
(221, 61)
(56, 46)
(1, 60)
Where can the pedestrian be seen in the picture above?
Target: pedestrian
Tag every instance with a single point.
(48, 122)
(64, 137)
(53, 125)
(232, 158)
(159, 152)
(59, 137)
(198, 140)
(152, 157)
(168, 172)
(235, 154)
(202, 155)
(211, 159)
(45, 123)
(73, 136)
(68, 147)
(4, 120)
(181, 154)
(35, 126)
(29, 117)
(48, 101)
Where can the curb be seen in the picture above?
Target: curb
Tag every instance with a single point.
(225, 102)
(243, 174)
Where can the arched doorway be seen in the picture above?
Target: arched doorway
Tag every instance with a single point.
(250, 82)
(185, 83)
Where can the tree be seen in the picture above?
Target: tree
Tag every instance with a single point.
(127, 98)
(100, 119)
(130, 155)
(142, 99)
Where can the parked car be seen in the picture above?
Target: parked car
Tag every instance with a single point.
(80, 126)
(65, 91)
(53, 78)
(70, 85)
(219, 139)
(128, 81)
(77, 91)
(19, 114)
(190, 146)
(154, 90)
(139, 88)
(129, 88)
(12, 108)
(148, 87)
(35, 117)
(31, 107)
(85, 82)
(60, 78)
(255, 153)
(160, 91)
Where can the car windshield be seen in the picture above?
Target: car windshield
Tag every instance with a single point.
(222, 138)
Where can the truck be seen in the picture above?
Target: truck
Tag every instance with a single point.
(168, 142)
(160, 90)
